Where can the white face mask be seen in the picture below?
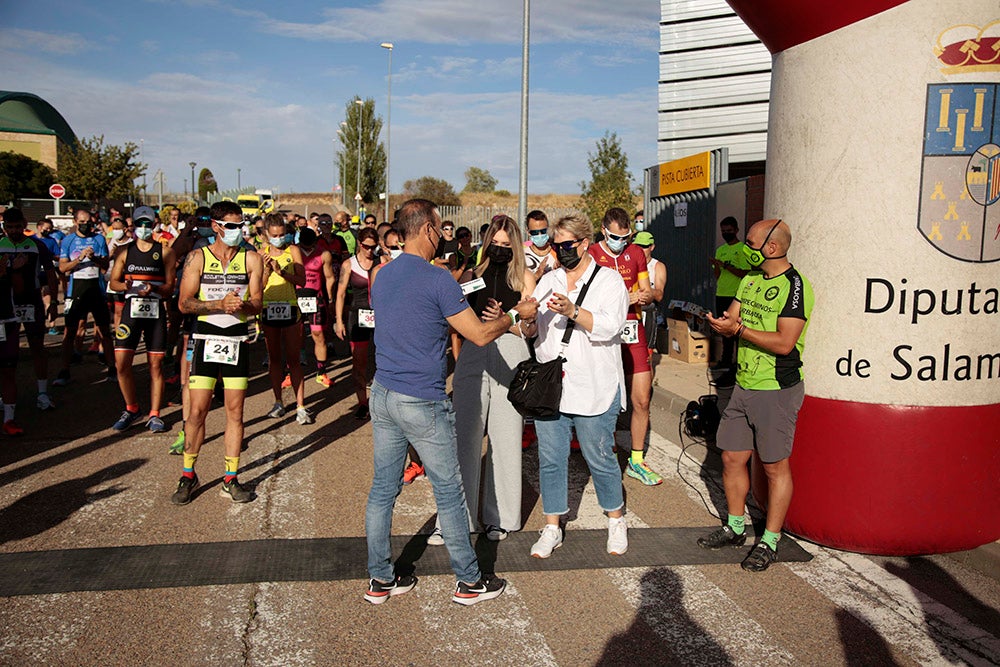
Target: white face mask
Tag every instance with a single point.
(117, 234)
(144, 233)
(276, 241)
(395, 252)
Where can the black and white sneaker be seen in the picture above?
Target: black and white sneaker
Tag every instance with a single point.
(379, 592)
(487, 588)
(722, 537)
(759, 558)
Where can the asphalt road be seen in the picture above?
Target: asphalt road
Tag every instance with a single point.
(72, 484)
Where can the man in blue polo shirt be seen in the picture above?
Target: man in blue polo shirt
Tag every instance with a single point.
(415, 302)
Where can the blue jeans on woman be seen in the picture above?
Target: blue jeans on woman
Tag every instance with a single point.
(399, 420)
(596, 434)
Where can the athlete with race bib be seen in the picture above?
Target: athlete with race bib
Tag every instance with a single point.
(144, 272)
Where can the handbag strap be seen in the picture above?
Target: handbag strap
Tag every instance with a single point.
(579, 300)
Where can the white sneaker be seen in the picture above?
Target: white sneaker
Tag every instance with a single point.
(435, 539)
(303, 416)
(550, 540)
(44, 402)
(617, 536)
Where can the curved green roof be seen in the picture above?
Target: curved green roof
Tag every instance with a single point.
(24, 112)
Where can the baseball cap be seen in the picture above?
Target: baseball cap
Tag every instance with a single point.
(144, 213)
(644, 239)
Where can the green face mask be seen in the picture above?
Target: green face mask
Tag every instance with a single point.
(755, 256)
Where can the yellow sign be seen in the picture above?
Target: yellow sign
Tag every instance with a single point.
(684, 175)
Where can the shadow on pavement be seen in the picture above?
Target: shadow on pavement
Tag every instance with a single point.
(662, 607)
(46, 508)
(862, 644)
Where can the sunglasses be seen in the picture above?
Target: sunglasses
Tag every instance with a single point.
(144, 223)
(229, 225)
(369, 247)
(616, 237)
(447, 229)
(538, 232)
(566, 246)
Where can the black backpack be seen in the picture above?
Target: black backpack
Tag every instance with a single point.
(701, 418)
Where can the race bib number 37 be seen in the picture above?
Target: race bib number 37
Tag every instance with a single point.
(25, 313)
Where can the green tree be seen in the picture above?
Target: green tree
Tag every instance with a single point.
(362, 125)
(610, 182)
(479, 180)
(433, 189)
(21, 176)
(206, 184)
(92, 171)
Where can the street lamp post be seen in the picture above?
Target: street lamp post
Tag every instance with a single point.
(388, 129)
(522, 197)
(357, 196)
(194, 192)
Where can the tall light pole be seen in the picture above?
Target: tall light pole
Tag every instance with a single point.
(194, 192)
(388, 129)
(142, 143)
(357, 195)
(238, 185)
(522, 196)
(340, 163)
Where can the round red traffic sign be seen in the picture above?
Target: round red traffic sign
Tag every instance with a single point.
(57, 191)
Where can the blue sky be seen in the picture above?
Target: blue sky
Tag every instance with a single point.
(262, 86)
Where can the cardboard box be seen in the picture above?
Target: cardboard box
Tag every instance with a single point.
(691, 347)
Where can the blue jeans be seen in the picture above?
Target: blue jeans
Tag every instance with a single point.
(596, 434)
(399, 420)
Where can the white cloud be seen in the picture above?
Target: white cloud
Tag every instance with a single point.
(62, 44)
(471, 22)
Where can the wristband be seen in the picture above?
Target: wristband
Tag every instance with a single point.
(515, 316)
(739, 332)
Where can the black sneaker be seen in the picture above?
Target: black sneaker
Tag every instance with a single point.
(722, 537)
(379, 592)
(235, 492)
(361, 413)
(487, 588)
(185, 487)
(759, 558)
(126, 420)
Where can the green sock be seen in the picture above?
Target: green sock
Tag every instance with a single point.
(771, 539)
(737, 523)
(637, 457)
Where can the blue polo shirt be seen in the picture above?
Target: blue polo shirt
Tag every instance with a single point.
(412, 300)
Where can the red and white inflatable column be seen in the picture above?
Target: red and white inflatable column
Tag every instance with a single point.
(884, 157)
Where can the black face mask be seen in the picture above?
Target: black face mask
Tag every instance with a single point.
(568, 258)
(85, 228)
(499, 254)
(728, 237)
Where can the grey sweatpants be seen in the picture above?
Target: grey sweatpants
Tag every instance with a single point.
(482, 376)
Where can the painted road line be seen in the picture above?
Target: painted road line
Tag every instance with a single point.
(928, 631)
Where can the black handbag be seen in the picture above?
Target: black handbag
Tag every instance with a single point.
(536, 389)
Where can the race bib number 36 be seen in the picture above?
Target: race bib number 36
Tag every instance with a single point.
(144, 309)
(222, 351)
(279, 311)
(630, 332)
(366, 318)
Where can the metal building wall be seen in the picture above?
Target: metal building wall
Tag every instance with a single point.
(687, 251)
(715, 79)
